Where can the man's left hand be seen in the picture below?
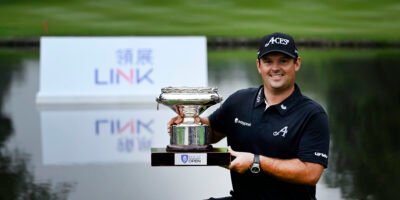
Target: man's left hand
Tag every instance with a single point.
(242, 162)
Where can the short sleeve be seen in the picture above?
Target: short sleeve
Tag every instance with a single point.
(314, 144)
(219, 118)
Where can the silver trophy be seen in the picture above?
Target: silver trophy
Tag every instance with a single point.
(189, 102)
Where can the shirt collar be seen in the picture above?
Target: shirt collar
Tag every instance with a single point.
(260, 98)
(282, 107)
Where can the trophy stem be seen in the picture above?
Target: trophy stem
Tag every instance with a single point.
(189, 120)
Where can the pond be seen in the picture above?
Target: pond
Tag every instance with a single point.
(53, 153)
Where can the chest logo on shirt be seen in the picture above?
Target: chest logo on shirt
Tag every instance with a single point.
(243, 123)
(281, 132)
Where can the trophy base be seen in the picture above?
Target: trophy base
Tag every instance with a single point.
(188, 148)
(214, 157)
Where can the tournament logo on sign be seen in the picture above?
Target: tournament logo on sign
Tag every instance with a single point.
(184, 158)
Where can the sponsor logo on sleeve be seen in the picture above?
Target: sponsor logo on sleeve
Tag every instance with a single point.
(318, 154)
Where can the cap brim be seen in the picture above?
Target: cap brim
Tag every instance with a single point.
(281, 51)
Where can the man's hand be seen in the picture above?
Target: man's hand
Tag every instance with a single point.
(242, 162)
(175, 120)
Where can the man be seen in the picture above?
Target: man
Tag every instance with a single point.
(279, 138)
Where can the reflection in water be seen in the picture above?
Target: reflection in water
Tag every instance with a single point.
(72, 135)
(364, 108)
(16, 180)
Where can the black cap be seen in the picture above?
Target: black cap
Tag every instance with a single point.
(277, 42)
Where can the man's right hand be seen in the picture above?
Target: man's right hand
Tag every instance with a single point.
(215, 136)
(178, 119)
(175, 120)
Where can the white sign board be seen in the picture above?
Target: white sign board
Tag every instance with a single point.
(118, 69)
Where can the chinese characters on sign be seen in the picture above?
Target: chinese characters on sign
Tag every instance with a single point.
(133, 67)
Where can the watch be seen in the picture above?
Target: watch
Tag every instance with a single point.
(255, 168)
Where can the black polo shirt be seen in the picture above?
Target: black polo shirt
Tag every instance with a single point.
(295, 128)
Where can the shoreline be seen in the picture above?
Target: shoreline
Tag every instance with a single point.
(223, 43)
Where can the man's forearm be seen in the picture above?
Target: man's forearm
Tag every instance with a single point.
(292, 170)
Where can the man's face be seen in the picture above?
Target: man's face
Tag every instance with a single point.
(278, 71)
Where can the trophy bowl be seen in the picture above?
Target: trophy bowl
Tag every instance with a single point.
(189, 102)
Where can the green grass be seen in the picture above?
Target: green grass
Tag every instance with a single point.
(340, 19)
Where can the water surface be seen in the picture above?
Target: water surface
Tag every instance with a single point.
(58, 153)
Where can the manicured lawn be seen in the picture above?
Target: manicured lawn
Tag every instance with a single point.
(339, 19)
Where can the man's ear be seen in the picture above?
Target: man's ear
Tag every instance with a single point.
(297, 64)
(258, 64)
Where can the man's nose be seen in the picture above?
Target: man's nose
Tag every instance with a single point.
(275, 66)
